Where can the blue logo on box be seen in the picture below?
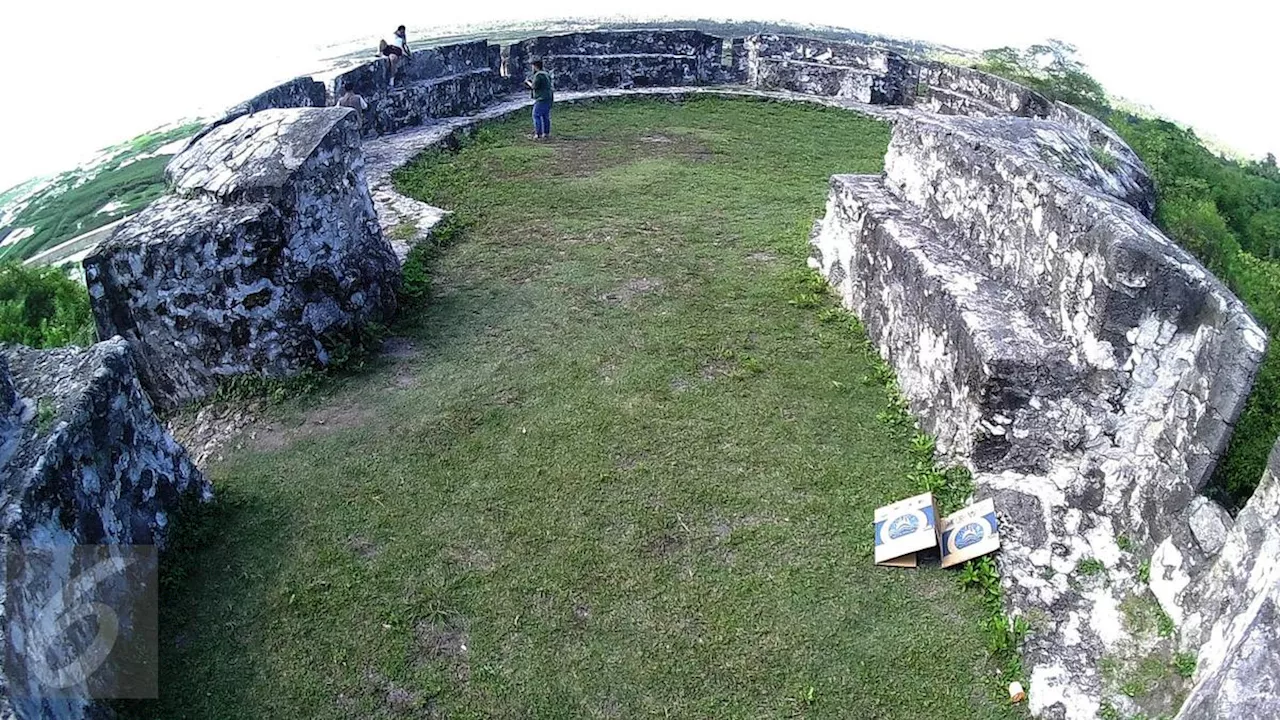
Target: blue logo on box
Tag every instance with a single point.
(908, 523)
(969, 534)
(903, 525)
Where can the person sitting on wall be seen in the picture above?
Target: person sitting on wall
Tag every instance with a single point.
(350, 98)
(396, 52)
(543, 95)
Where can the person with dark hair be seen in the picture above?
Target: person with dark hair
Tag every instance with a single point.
(543, 91)
(396, 52)
(350, 98)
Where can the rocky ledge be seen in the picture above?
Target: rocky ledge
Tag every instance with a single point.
(266, 254)
(84, 461)
(1085, 368)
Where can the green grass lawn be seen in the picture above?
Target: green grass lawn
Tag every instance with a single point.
(623, 465)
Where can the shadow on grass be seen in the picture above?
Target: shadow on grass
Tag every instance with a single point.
(216, 583)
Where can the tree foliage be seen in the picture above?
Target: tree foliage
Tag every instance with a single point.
(1052, 69)
(42, 307)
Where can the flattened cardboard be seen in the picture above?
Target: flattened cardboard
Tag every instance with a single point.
(906, 561)
(904, 528)
(970, 533)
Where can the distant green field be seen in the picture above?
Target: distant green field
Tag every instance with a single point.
(67, 210)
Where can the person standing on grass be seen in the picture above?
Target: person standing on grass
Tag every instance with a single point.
(397, 52)
(543, 95)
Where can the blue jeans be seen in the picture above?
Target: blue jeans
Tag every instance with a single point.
(542, 118)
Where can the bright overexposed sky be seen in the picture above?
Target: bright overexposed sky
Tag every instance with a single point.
(82, 75)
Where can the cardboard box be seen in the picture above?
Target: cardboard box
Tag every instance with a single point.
(970, 533)
(904, 528)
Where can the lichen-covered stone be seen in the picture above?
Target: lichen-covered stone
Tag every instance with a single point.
(1233, 616)
(1085, 368)
(1002, 97)
(634, 58)
(267, 251)
(822, 67)
(302, 91)
(84, 461)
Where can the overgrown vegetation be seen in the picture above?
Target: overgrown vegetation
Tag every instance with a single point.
(1052, 69)
(1226, 212)
(43, 308)
(617, 475)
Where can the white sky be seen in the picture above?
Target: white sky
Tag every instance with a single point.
(84, 74)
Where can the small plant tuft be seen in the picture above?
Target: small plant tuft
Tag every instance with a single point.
(1090, 567)
(46, 412)
(1104, 159)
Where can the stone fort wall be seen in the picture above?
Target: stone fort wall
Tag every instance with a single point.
(1085, 368)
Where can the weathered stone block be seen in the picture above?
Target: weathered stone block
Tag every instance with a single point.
(1006, 97)
(418, 103)
(87, 460)
(1028, 196)
(835, 69)
(968, 355)
(372, 79)
(1233, 616)
(693, 43)
(84, 461)
(299, 92)
(1084, 367)
(268, 251)
(953, 90)
(638, 58)
(588, 72)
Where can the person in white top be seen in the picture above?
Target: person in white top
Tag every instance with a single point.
(396, 52)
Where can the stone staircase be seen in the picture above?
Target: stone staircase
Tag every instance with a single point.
(1083, 366)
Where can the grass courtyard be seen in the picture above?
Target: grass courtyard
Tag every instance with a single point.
(622, 464)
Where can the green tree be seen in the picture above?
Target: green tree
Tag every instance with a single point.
(1263, 234)
(42, 307)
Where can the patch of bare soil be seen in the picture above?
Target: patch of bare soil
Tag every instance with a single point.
(631, 289)
(364, 547)
(317, 422)
(715, 369)
(399, 348)
(664, 545)
(444, 642)
(392, 700)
